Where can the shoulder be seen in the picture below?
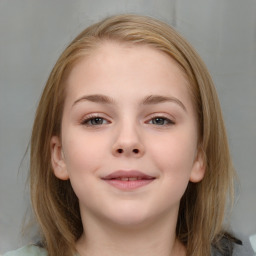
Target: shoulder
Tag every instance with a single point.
(243, 250)
(29, 250)
(230, 246)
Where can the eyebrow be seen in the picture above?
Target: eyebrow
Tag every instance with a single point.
(97, 98)
(156, 99)
(149, 100)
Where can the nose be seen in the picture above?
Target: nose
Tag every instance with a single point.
(128, 142)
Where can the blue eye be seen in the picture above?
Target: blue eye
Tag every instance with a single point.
(94, 121)
(161, 121)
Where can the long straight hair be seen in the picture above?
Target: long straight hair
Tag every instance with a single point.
(202, 208)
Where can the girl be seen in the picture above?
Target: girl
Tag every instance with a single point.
(129, 154)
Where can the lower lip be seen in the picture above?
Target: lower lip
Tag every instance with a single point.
(129, 185)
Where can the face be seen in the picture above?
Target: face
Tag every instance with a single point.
(129, 135)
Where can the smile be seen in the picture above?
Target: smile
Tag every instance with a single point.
(128, 180)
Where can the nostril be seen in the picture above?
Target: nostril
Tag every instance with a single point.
(120, 151)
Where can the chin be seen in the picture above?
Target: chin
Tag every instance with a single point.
(130, 217)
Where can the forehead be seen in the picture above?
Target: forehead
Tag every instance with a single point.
(124, 67)
(107, 50)
(108, 53)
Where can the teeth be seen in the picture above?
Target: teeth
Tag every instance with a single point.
(129, 178)
(133, 178)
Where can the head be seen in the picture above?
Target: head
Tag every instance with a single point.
(203, 204)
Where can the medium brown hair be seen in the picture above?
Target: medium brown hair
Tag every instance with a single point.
(202, 207)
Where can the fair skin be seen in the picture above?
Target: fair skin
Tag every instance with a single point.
(128, 114)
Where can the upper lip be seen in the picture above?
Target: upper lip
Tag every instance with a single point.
(127, 174)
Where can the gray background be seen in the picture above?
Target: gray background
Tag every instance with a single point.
(34, 33)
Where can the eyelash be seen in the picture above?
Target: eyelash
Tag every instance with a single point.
(91, 118)
(167, 121)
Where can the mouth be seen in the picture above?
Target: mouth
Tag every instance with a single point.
(128, 180)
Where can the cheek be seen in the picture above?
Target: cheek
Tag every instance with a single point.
(174, 158)
(83, 153)
(174, 154)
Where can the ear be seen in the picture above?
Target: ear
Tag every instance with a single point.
(57, 159)
(199, 166)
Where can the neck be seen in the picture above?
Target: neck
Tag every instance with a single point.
(150, 239)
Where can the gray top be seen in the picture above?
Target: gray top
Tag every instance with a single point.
(29, 250)
(239, 250)
(32, 250)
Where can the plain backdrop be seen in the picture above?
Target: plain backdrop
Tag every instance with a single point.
(34, 33)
